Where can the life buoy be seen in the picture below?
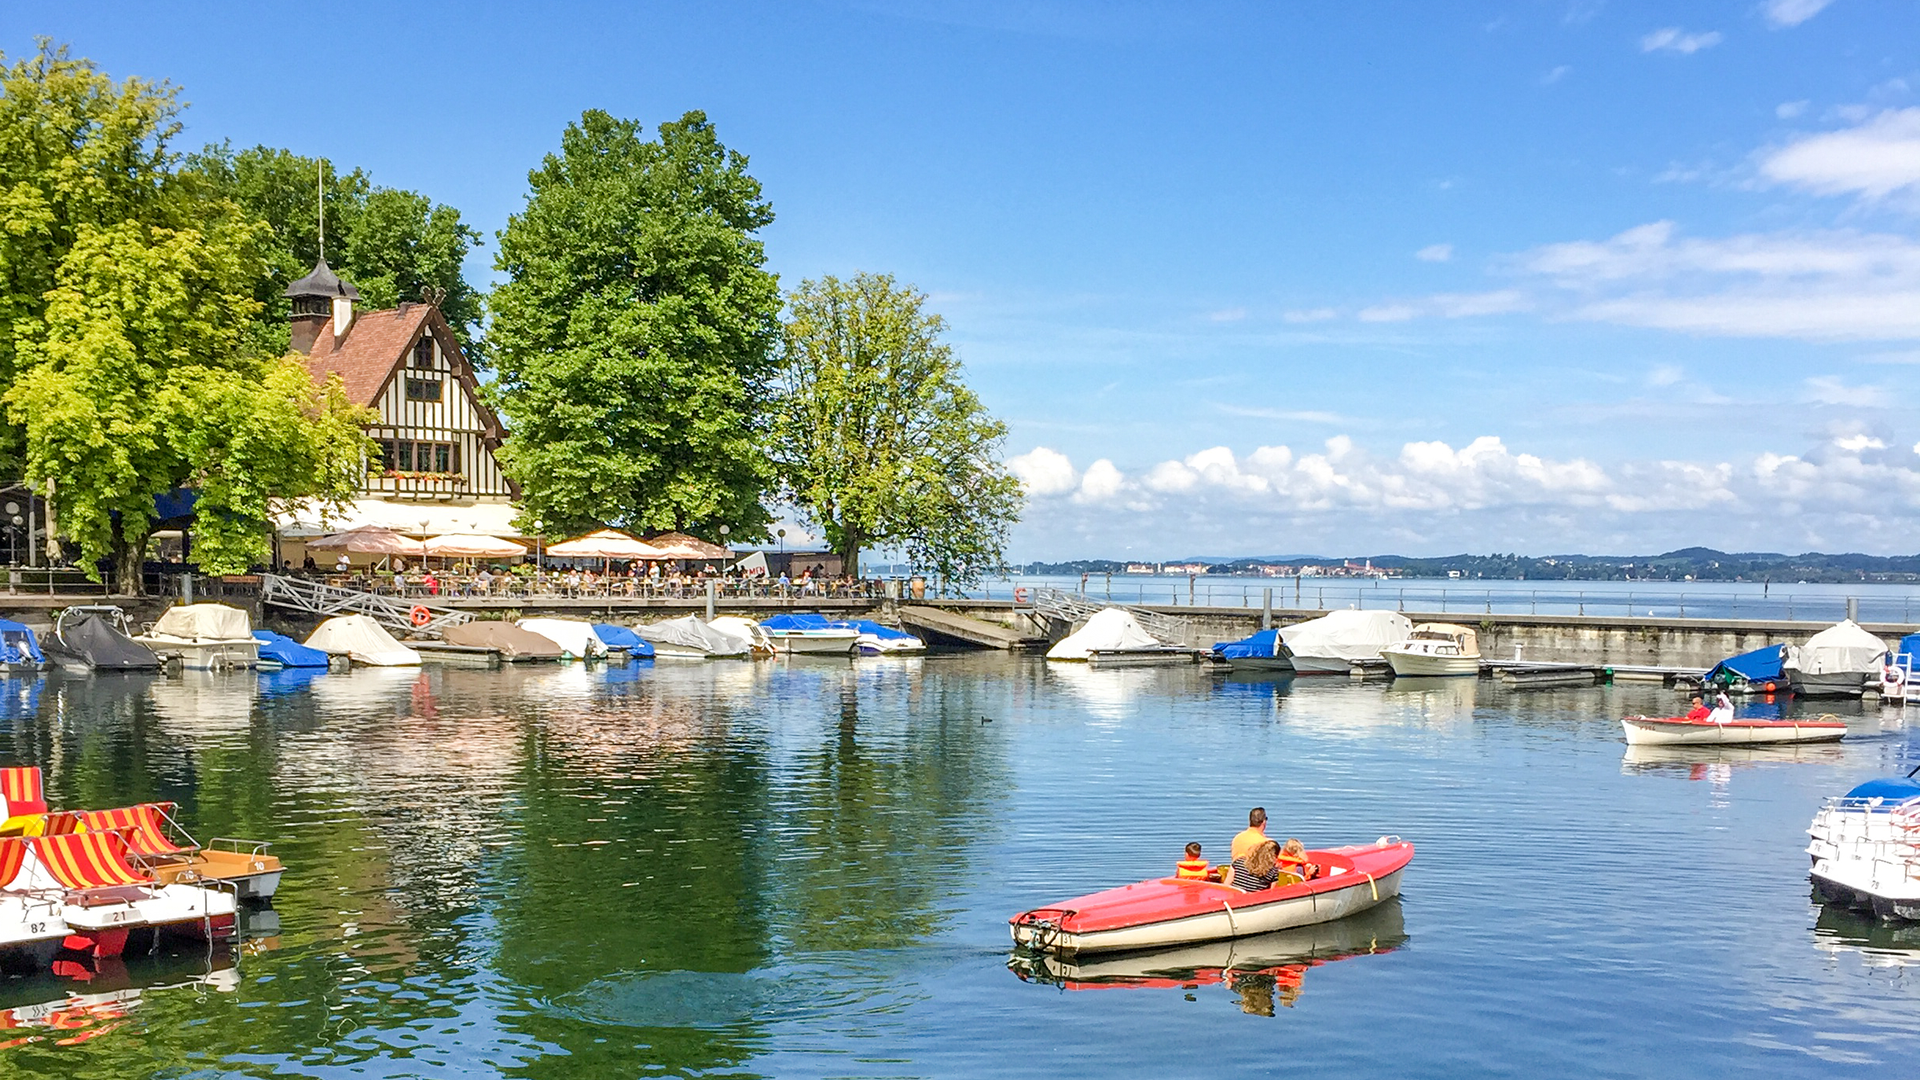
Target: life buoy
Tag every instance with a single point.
(1894, 676)
(1019, 596)
(419, 616)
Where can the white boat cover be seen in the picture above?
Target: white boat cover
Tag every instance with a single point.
(1841, 648)
(689, 632)
(359, 637)
(1348, 635)
(744, 628)
(1108, 628)
(574, 636)
(204, 622)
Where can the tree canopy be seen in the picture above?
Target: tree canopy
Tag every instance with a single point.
(878, 438)
(634, 339)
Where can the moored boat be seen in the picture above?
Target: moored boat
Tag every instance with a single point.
(19, 649)
(1836, 662)
(96, 637)
(1333, 643)
(1263, 651)
(1435, 649)
(106, 898)
(1680, 731)
(575, 637)
(687, 638)
(1163, 912)
(361, 639)
(205, 637)
(1865, 847)
(1757, 671)
(810, 635)
(761, 645)
(622, 641)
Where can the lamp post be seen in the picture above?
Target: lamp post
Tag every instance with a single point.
(538, 527)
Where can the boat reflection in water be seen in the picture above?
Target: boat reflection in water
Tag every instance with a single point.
(1719, 762)
(1260, 971)
(83, 1000)
(1878, 942)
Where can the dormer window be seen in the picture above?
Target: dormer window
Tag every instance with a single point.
(312, 305)
(423, 352)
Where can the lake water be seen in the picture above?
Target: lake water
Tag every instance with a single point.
(799, 869)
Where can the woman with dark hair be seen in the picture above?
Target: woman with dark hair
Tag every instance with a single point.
(1259, 870)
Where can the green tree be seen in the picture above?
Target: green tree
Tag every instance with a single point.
(391, 244)
(878, 438)
(634, 338)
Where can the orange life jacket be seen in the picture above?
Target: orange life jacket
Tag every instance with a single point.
(1191, 868)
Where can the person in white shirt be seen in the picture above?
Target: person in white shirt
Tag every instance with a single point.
(1722, 708)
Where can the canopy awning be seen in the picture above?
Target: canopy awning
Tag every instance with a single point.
(477, 545)
(369, 540)
(417, 518)
(605, 544)
(681, 546)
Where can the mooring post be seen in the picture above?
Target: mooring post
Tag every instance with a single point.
(710, 587)
(1266, 608)
(1853, 609)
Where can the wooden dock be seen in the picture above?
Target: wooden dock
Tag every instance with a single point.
(937, 624)
(1540, 675)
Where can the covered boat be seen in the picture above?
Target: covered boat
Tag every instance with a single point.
(1837, 661)
(19, 649)
(575, 637)
(1163, 912)
(362, 639)
(1263, 651)
(97, 638)
(752, 632)
(1679, 731)
(206, 637)
(514, 644)
(810, 635)
(1332, 643)
(1863, 850)
(279, 650)
(687, 638)
(622, 639)
(1113, 636)
(1760, 671)
(1435, 648)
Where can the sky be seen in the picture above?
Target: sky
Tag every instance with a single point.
(1249, 278)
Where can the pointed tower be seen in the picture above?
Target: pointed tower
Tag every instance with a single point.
(316, 298)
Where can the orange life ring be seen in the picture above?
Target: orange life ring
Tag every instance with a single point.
(419, 616)
(1019, 596)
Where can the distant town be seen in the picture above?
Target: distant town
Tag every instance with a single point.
(1686, 564)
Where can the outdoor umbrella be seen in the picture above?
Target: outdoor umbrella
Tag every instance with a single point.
(369, 540)
(477, 545)
(682, 546)
(605, 544)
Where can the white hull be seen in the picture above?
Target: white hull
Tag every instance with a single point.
(206, 655)
(1831, 684)
(1321, 665)
(1413, 663)
(815, 642)
(1865, 859)
(874, 646)
(1229, 921)
(161, 906)
(29, 919)
(1644, 732)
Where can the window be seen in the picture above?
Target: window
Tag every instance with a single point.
(423, 389)
(408, 456)
(423, 352)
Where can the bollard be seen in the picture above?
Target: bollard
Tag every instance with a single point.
(1266, 608)
(710, 585)
(1853, 609)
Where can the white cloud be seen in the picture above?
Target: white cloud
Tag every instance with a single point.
(1782, 13)
(1559, 72)
(1227, 315)
(1873, 160)
(1831, 390)
(1448, 306)
(1856, 443)
(1435, 253)
(1665, 375)
(1388, 313)
(1787, 110)
(1675, 40)
(1102, 481)
(1044, 471)
(1310, 315)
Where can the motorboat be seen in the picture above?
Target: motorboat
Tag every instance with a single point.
(622, 641)
(878, 639)
(1757, 671)
(1333, 643)
(1680, 731)
(19, 649)
(1115, 636)
(741, 627)
(687, 638)
(1865, 847)
(1263, 651)
(363, 640)
(1163, 912)
(512, 644)
(810, 635)
(1836, 662)
(575, 637)
(1435, 648)
(1272, 962)
(280, 651)
(97, 637)
(205, 637)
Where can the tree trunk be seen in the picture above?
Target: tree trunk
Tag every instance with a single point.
(53, 528)
(126, 560)
(850, 538)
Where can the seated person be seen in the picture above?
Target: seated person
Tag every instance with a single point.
(1259, 870)
(1699, 710)
(1193, 867)
(1293, 860)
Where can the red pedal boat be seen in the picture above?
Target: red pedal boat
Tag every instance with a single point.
(1168, 911)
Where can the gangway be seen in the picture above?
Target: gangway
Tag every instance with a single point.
(1074, 608)
(393, 612)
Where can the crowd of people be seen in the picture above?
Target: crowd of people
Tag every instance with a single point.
(638, 579)
(1257, 862)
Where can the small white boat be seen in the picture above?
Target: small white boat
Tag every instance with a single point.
(877, 639)
(1333, 643)
(1435, 649)
(1680, 731)
(576, 637)
(1863, 848)
(1109, 630)
(687, 638)
(363, 640)
(741, 627)
(206, 637)
(810, 635)
(105, 898)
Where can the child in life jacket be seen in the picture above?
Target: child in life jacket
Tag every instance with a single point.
(1193, 867)
(1293, 860)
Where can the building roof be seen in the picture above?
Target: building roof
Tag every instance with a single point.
(322, 282)
(375, 342)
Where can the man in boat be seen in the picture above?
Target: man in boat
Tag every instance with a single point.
(1699, 710)
(1252, 836)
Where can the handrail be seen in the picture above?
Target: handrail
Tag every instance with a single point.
(396, 613)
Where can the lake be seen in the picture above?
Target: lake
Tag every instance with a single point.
(804, 869)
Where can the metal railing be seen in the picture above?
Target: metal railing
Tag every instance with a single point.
(1073, 608)
(393, 612)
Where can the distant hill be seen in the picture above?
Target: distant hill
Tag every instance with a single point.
(1684, 564)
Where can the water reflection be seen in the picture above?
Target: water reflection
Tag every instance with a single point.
(1841, 930)
(78, 1002)
(1436, 700)
(1698, 762)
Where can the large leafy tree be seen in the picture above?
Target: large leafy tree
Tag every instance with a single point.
(878, 437)
(392, 244)
(634, 339)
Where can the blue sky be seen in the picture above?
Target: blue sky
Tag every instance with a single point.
(1252, 277)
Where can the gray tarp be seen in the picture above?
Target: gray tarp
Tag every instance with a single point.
(513, 642)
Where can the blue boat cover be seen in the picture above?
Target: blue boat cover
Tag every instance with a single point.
(287, 680)
(1264, 643)
(1894, 789)
(18, 645)
(1909, 647)
(868, 626)
(1760, 665)
(620, 637)
(797, 622)
(288, 652)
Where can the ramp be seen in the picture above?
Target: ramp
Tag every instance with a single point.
(392, 612)
(939, 623)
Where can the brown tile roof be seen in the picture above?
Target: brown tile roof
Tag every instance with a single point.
(375, 342)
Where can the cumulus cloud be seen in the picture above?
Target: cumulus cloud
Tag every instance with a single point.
(1435, 253)
(1787, 110)
(1783, 13)
(1044, 471)
(1675, 40)
(1448, 306)
(1874, 159)
(1310, 315)
(1558, 72)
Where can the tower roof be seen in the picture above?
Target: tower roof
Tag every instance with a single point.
(322, 282)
